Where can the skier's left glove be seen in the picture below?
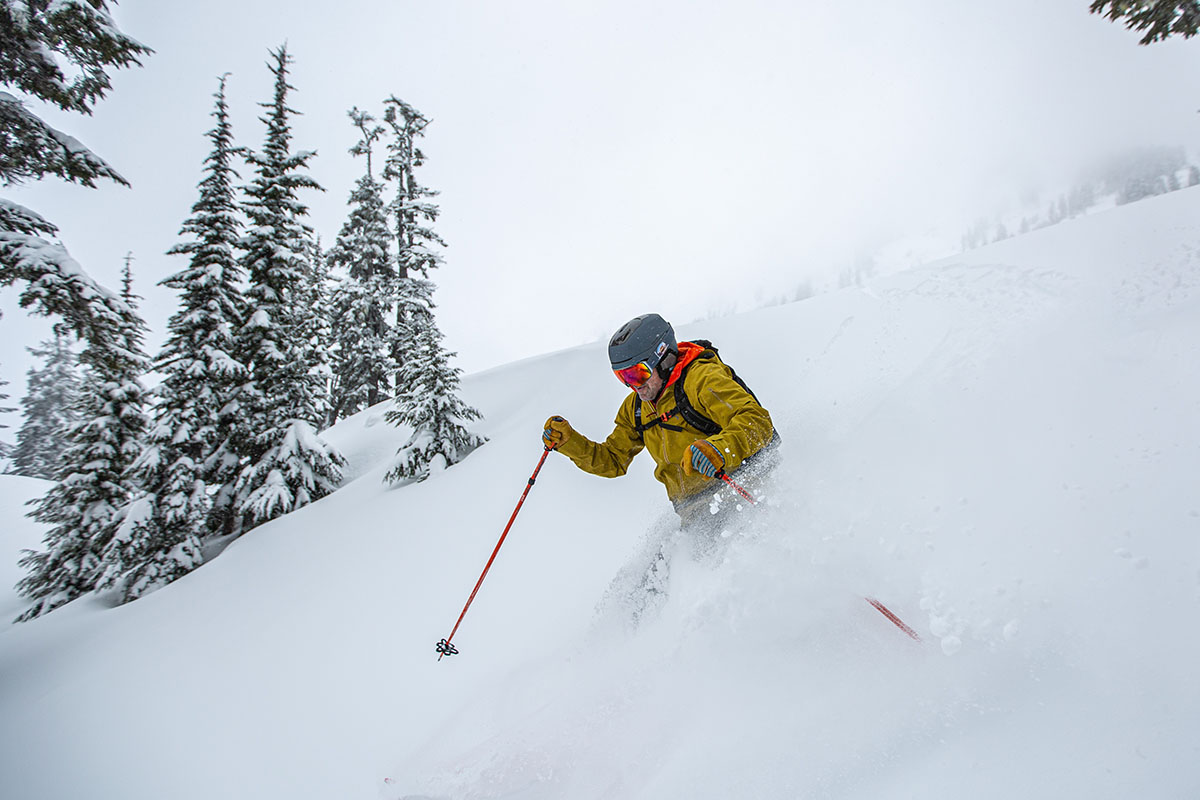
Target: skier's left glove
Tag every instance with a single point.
(702, 458)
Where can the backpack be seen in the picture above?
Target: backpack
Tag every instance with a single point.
(683, 406)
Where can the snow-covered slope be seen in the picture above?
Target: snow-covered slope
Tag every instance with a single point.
(1003, 447)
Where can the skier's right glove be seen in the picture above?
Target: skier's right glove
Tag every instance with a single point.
(702, 458)
(557, 431)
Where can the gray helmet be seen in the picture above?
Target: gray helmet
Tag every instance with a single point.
(646, 338)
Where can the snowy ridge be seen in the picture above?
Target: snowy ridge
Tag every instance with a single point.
(1001, 446)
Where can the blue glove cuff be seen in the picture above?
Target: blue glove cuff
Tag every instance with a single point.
(701, 464)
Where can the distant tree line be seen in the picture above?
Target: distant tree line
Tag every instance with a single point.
(272, 341)
(1126, 178)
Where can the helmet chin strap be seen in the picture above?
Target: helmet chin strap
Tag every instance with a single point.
(667, 364)
(664, 368)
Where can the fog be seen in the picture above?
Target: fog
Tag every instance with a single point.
(597, 160)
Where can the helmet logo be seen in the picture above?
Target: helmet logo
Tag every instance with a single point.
(662, 348)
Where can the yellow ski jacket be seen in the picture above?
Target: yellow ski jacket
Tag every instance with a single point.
(709, 385)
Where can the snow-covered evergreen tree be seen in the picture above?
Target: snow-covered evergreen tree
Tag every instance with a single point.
(364, 341)
(316, 329)
(59, 53)
(86, 505)
(39, 39)
(5, 447)
(1158, 18)
(427, 385)
(41, 42)
(286, 464)
(124, 550)
(428, 402)
(412, 210)
(127, 292)
(159, 538)
(199, 362)
(49, 405)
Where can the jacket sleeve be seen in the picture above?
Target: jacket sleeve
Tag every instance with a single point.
(746, 426)
(610, 458)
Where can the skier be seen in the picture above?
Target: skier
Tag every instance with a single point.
(687, 407)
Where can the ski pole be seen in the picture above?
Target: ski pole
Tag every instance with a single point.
(880, 607)
(749, 498)
(887, 612)
(444, 647)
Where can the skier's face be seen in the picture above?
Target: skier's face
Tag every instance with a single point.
(650, 390)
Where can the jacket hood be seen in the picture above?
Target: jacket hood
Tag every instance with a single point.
(688, 353)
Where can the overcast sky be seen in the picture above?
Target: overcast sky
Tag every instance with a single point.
(597, 160)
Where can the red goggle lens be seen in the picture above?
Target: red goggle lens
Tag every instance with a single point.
(636, 376)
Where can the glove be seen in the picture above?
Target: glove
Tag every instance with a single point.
(557, 431)
(702, 458)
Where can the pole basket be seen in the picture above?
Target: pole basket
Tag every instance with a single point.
(444, 648)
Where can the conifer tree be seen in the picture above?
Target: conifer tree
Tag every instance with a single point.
(199, 362)
(159, 537)
(85, 507)
(364, 347)
(49, 406)
(428, 402)
(413, 212)
(39, 39)
(41, 42)
(1159, 19)
(286, 463)
(124, 550)
(316, 329)
(427, 386)
(5, 447)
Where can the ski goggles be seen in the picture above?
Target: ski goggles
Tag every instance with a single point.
(634, 376)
